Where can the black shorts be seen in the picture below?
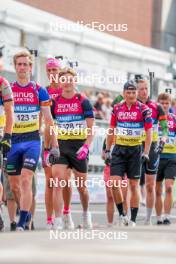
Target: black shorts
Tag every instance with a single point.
(126, 160)
(68, 149)
(151, 167)
(142, 178)
(167, 169)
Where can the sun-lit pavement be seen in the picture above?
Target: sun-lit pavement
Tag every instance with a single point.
(143, 244)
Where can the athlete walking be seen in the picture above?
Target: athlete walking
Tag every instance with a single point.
(6, 125)
(167, 164)
(74, 117)
(29, 100)
(128, 120)
(151, 167)
(53, 69)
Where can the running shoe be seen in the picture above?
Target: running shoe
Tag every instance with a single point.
(148, 222)
(166, 221)
(1, 220)
(58, 223)
(123, 220)
(132, 224)
(13, 226)
(32, 226)
(68, 222)
(87, 220)
(49, 225)
(20, 229)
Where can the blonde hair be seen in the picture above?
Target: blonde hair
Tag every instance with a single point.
(24, 53)
(164, 96)
(67, 70)
(142, 81)
(173, 102)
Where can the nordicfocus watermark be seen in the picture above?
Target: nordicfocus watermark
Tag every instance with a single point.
(81, 26)
(81, 182)
(91, 79)
(70, 129)
(87, 235)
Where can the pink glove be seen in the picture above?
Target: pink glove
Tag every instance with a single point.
(82, 152)
(46, 158)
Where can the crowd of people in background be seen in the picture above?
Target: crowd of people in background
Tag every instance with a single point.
(102, 102)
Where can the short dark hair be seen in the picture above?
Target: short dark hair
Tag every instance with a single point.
(130, 85)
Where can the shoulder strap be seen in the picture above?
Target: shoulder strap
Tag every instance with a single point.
(36, 88)
(120, 105)
(140, 106)
(12, 84)
(34, 85)
(82, 99)
(57, 98)
(79, 97)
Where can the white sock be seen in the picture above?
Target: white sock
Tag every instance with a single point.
(85, 212)
(159, 217)
(148, 214)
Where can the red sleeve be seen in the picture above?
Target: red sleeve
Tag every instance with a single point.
(175, 123)
(147, 126)
(147, 117)
(113, 118)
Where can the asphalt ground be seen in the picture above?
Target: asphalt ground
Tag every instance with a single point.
(142, 244)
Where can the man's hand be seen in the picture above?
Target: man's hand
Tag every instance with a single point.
(46, 154)
(54, 155)
(160, 147)
(83, 152)
(6, 144)
(144, 157)
(107, 157)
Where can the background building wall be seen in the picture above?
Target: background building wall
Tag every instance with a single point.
(164, 24)
(150, 22)
(136, 14)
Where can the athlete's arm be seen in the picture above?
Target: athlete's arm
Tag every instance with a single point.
(49, 124)
(111, 131)
(148, 129)
(148, 141)
(110, 137)
(44, 131)
(46, 113)
(9, 109)
(40, 120)
(90, 123)
(47, 138)
(7, 97)
(89, 117)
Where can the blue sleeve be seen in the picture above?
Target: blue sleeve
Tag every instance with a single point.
(44, 98)
(87, 109)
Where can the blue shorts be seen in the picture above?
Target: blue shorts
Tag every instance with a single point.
(23, 155)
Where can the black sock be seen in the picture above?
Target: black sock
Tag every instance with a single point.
(134, 212)
(120, 208)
